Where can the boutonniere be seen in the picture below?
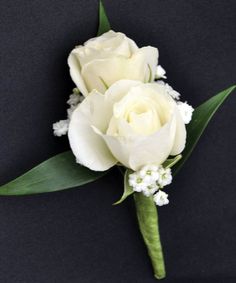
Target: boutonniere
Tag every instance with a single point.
(122, 113)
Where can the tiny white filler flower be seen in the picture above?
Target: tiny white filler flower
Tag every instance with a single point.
(149, 173)
(186, 111)
(161, 198)
(75, 98)
(175, 94)
(70, 111)
(160, 82)
(150, 190)
(149, 179)
(60, 128)
(136, 182)
(160, 73)
(165, 177)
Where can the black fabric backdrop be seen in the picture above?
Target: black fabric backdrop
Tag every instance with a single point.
(77, 235)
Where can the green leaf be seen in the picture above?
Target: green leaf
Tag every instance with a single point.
(172, 161)
(148, 224)
(127, 189)
(104, 24)
(57, 173)
(201, 117)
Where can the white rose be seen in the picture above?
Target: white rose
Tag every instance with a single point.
(103, 60)
(133, 123)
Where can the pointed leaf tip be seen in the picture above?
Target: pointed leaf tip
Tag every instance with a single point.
(104, 24)
(201, 117)
(127, 189)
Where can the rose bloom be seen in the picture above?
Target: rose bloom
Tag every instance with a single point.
(133, 123)
(103, 60)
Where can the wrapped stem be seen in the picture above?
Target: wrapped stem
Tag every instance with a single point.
(148, 223)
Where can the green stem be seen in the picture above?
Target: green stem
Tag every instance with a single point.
(148, 223)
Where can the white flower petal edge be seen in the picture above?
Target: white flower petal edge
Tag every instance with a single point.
(103, 60)
(132, 123)
(89, 148)
(75, 73)
(180, 135)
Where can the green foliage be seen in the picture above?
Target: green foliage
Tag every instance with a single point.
(57, 173)
(104, 24)
(127, 189)
(201, 117)
(172, 161)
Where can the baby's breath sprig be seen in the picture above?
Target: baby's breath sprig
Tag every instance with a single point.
(150, 181)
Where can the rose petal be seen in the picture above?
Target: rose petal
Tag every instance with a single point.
(76, 74)
(102, 73)
(180, 136)
(137, 151)
(119, 89)
(142, 65)
(116, 42)
(89, 147)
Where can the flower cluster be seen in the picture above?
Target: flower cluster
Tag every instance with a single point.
(128, 115)
(149, 180)
(60, 128)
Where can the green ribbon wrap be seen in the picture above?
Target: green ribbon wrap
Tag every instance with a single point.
(148, 223)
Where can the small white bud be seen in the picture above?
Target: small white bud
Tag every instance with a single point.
(186, 111)
(150, 190)
(173, 93)
(74, 99)
(76, 90)
(60, 128)
(136, 182)
(161, 198)
(165, 177)
(160, 73)
(160, 82)
(149, 173)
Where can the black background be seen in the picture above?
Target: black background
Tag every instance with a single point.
(77, 235)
